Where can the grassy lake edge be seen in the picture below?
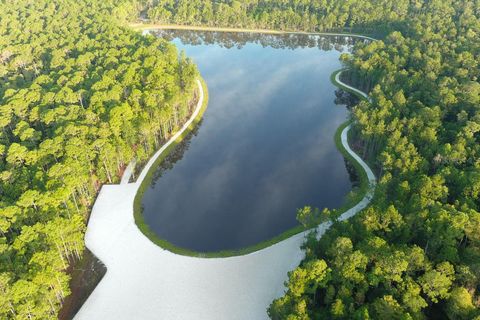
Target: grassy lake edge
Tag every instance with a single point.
(354, 196)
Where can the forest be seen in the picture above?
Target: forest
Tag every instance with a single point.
(81, 95)
(366, 16)
(415, 252)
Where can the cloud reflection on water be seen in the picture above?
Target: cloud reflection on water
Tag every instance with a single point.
(265, 148)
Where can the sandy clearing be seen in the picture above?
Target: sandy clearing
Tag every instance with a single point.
(144, 281)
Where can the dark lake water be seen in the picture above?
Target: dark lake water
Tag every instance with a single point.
(264, 148)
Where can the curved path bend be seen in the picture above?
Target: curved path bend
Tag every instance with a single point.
(361, 93)
(144, 281)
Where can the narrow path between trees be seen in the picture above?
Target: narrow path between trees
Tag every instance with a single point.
(127, 174)
(144, 281)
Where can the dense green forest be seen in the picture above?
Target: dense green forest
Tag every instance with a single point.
(366, 16)
(415, 252)
(80, 97)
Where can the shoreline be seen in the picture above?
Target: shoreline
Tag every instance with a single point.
(146, 175)
(348, 205)
(153, 26)
(335, 78)
(359, 196)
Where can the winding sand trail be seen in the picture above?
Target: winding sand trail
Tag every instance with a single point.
(363, 94)
(144, 281)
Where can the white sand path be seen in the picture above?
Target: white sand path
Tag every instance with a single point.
(144, 281)
(363, 94)
(128, 173)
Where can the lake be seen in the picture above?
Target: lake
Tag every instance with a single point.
(264, 148)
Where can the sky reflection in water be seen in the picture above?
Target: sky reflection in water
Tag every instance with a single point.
(264, 148)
